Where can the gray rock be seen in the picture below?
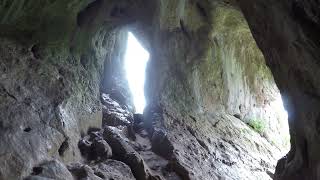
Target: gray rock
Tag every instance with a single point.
(112, 169)
(124, 152)
(109, 169)
(94, 148)
(50, 170)
(114, 114)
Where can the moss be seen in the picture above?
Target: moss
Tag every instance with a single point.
(258, 125)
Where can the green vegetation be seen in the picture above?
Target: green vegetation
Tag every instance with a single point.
(258, 125)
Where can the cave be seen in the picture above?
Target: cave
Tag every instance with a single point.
(231, 90)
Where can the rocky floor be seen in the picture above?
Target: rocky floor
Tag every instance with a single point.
(125, 148)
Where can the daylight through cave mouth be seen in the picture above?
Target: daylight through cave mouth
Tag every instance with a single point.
(136, 58)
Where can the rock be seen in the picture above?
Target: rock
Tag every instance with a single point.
(94, 148)
(114, 114)
(50, 170)
(125, 153)
(161, 144)
(217, 150)
(85, 146)
(101, 149)
(80, 171)
(112, 169)
(109, 169)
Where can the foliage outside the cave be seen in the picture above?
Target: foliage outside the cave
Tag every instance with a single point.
(257, 124)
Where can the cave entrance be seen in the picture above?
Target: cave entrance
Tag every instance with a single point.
(135, 60)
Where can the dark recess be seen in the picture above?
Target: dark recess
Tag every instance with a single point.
(37, 171)
(64, 146)
(28, 129)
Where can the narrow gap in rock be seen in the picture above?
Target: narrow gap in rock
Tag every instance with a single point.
(64, 146)
(136, 58)
(35, 51)
(28, 129)
(100, 175)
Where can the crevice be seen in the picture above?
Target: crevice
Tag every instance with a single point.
(305, 153)
(12, 96)
(193, 118)
(215, 124)
(64, 147)
(8, 93)
(237, 116)
(184, 29)
(99, 174)
(35, 50)
(28, 129)
(202, 10)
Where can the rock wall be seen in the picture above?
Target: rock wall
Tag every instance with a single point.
(287, 33)
(51, 68)
(205, 66)
(207, 62)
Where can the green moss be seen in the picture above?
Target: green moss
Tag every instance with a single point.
(258, 125)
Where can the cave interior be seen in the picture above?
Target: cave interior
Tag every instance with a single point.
(159, 89)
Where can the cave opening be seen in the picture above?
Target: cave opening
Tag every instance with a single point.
(135, 61)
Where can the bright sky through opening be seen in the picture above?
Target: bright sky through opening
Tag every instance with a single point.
(283, 113)
(136, 58)
(278, 104)
(277, 107)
